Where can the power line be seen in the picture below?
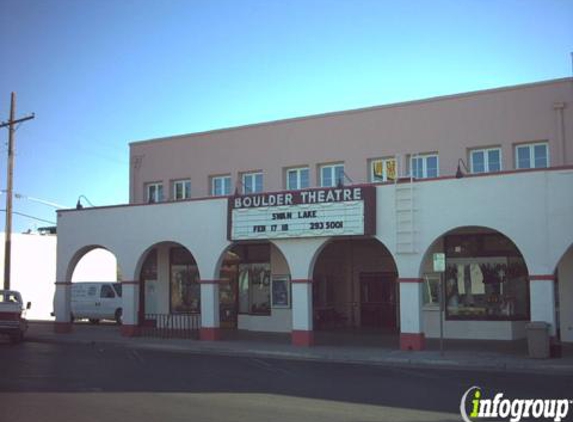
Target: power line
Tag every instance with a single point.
(30, 216)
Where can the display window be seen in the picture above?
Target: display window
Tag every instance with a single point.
(485, 279)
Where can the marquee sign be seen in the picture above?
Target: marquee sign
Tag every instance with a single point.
(345, 211)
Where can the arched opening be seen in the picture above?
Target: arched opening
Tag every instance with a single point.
(564, 299)
(96, 292)
(254, 288)
(485, 285)
(169, 289)
(354, 286)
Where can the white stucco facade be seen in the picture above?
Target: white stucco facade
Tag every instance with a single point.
(532, 208)
(517, 190)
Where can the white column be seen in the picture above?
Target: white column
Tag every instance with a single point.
(302, 334)
(130, 296)
(411, 301)
(542, 300)
(210, 322)
(62, 307)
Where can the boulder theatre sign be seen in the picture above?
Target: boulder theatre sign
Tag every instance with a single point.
(345, 211)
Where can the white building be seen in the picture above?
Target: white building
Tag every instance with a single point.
(332, 221)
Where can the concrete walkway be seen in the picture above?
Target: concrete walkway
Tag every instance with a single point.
(489, 356)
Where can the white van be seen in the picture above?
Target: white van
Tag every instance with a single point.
(96, 301)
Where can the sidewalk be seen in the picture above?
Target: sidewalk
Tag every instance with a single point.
(279, 347)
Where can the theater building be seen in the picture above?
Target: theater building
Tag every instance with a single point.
(333, 222)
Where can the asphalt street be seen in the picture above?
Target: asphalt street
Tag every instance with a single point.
(91, 382)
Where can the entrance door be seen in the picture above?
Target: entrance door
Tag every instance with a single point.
(228, 297)
(378, 300)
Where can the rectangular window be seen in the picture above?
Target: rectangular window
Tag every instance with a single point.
(154, 192)
(529, 156)
(424, 166)
(181, 189)
(383, 170)
(252, 182)
(331, 175)
(220, 185)
(297, 178)
(486, 160)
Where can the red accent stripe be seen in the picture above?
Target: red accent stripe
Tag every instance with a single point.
(412, 341)
(544, 277)
(410, 280)
(302, 338)
(210, 333)
(301, 281)
(210, 281)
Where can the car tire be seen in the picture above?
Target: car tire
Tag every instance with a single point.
(119, 316)
(94, 321)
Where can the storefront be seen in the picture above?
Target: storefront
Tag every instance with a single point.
(354, 252)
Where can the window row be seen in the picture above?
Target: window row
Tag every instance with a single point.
(483, 160)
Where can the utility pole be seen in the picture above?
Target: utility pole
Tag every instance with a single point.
(8, 242)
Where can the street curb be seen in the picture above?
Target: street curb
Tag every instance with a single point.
(319, 356)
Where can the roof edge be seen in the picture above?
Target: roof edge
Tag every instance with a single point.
(356, 110)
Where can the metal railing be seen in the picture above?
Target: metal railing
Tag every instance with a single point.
(171, 326)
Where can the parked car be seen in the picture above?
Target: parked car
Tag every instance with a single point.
(13, 315)
(96, 301)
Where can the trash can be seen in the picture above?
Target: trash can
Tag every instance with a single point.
(538, 339)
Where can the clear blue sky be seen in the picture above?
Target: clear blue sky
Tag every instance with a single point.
(101, 73)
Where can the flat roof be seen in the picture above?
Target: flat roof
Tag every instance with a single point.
(356, 110)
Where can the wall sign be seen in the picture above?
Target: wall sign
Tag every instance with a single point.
(345, 211)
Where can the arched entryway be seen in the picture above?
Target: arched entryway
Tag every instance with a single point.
(486, 290)
(169, 289)
(254, 288)
(96, 290)
(355, 287)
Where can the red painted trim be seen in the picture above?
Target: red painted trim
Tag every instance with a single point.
(302, 338)
(210, 281)
(410, 280)
(412, 341)
(63, 283)
(301, 281)
(543, 277)
(401, 180)
(209, 333)
(62, 327)
(128, 330)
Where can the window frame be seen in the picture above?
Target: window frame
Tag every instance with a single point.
(224, 178)
(384, 161)
(332, 167)
(298, 171)
(252, 174)
(186, 195)
(486, 160)
(425, 158)
(158, 188)
(531, 147)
